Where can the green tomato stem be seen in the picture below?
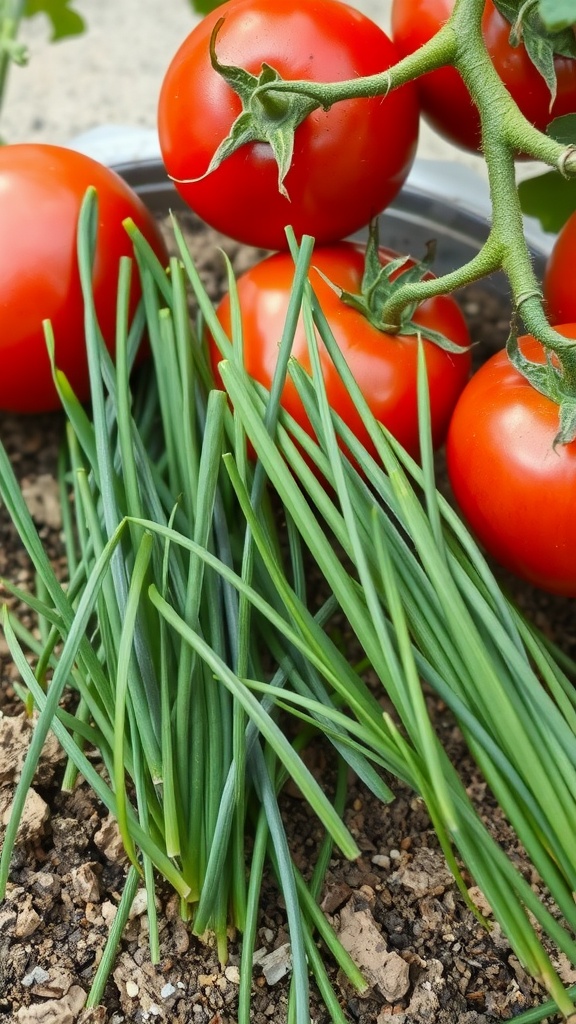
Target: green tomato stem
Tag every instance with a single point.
(11, 14)
(505, 133)
(499, 114)
(483, 263)
(437, 52)
(507, 229)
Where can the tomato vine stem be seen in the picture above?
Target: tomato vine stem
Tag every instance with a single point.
(505, 134)
(437, 52)
(485, 262)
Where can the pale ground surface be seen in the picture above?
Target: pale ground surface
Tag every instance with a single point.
(112, 74)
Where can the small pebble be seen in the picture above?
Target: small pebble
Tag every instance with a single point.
(37, 976)
(381, 861)
(139, 905)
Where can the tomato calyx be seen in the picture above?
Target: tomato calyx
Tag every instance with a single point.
(265, 117)
(381, 281)
(555, 379)
(541, 41)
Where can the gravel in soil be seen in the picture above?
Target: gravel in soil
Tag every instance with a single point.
(396, 908)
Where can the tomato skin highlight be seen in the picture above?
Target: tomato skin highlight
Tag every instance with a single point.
(348, 163)
(384, 365)
(443, 96)
(559, 283)
(41, 192)
(515, 490)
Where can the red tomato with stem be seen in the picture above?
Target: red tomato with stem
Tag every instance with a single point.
(560, 276)
(514, 488)
(443, 96)
(41, 192)
(384, 365)
(348, 162)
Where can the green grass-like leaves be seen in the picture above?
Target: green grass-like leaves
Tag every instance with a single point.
(184, 634)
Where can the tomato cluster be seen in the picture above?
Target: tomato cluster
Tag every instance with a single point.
(348, 164)
(514, 484)
(220, 142)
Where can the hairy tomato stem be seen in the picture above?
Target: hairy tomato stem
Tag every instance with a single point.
(485, 262)
(437, 52)
(496, 107)
(536, 323)
(505, 133)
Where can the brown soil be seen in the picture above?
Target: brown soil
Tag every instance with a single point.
(397, 908)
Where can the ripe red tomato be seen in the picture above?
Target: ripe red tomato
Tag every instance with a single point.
(443, 96)
(41, 191)
(384, 365)
(516, 491)
(348, 162)
(559, 280)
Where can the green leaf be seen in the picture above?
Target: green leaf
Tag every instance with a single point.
(65, 22)
(550, 198)
(563, 129)
(557, 14)
(205, 6)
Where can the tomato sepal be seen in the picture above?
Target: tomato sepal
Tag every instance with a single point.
(264, 117)
(540, 42)
(551, 381)
(381, 281)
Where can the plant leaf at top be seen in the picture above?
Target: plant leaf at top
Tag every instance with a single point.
(64, 21)
(204, 6)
